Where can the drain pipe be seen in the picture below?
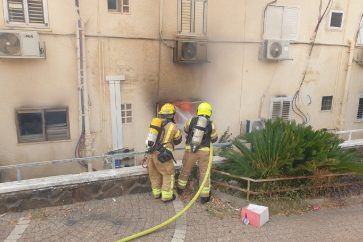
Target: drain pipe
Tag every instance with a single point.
(85, 133)
(344, 102)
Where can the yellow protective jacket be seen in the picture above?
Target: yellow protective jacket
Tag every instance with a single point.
(171, 136)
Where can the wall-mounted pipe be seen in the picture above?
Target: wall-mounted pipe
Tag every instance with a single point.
(344, 102)
(85, 133)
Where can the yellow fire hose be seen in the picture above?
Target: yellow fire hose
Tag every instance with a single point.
(181, 212)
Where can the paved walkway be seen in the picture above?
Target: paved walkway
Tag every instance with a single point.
(114, 218)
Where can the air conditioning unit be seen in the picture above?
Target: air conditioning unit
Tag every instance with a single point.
(20, 45)
(254, 125)
(190, 51)
(274, 50)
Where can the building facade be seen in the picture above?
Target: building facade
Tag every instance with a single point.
(102, 73)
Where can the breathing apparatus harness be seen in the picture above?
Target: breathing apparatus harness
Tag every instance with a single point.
(199, 133)
(164, 154)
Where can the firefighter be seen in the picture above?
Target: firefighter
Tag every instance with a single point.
(201, 132)
(160, 160)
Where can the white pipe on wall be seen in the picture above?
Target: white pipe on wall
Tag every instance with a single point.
(341, 117)
(85, 130)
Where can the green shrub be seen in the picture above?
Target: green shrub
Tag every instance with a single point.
(289, 149)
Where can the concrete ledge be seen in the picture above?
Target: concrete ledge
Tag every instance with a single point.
(66, 189)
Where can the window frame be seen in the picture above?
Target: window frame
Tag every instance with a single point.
(360, 33)
(330, 17)
(26, 22)
(120, 7)
(281, 99)
(125, 118)
(357, 110)
(192, 20)
(44, 137)
(331, 104)
(298, 23)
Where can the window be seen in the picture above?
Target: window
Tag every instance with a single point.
(336, 19)
(360, 108)
(281, 22)
(360, 33)
(326, 103)
(281, 107)
(192, 17)
(126, 113)
(28, 12)
(35, 125)
(122, 6)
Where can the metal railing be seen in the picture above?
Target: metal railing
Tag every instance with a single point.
(249, 191)
(350, 142)
(87, 160)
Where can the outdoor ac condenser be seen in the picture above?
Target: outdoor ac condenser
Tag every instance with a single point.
(254, 125)
(190, 51)
(274, 50)
(20, 45)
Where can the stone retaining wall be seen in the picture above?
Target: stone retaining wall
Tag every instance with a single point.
(67, 189)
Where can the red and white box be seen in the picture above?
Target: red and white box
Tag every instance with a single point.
(256, 215)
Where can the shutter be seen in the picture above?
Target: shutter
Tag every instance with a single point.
(360, 109)
(36, 11)
(199, 17)
(360, 35)
(290, 23)
(280, 108)
(16, 11)
(56, 124)
(273, 22)
(286, 107)
(186, 14)
(276, 107)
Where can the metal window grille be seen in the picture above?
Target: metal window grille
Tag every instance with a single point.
(326, 103)
(360, 109)
(280, 108)
(192, 17)
(126, 113)
(42, 124)
(30, 12)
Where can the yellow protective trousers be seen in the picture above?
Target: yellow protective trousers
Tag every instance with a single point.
(189, 160)
(161, 177)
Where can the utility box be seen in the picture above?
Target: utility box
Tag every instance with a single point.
(256, 215)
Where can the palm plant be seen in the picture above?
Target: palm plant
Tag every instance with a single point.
(286, 148)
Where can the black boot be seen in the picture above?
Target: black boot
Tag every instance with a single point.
(170, 199)
(204, 200)
(179, 191)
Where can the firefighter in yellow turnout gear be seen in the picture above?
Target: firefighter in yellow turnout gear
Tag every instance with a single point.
(161, 161)
(200, 131)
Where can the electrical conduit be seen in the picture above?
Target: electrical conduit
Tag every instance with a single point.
(181, 212)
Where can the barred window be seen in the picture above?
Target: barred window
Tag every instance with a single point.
(360, 109)
(28, 12)
(34, 125)
(126, 113)
(326, 103)
(122, 6)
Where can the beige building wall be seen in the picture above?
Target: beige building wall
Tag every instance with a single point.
(235, 82)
